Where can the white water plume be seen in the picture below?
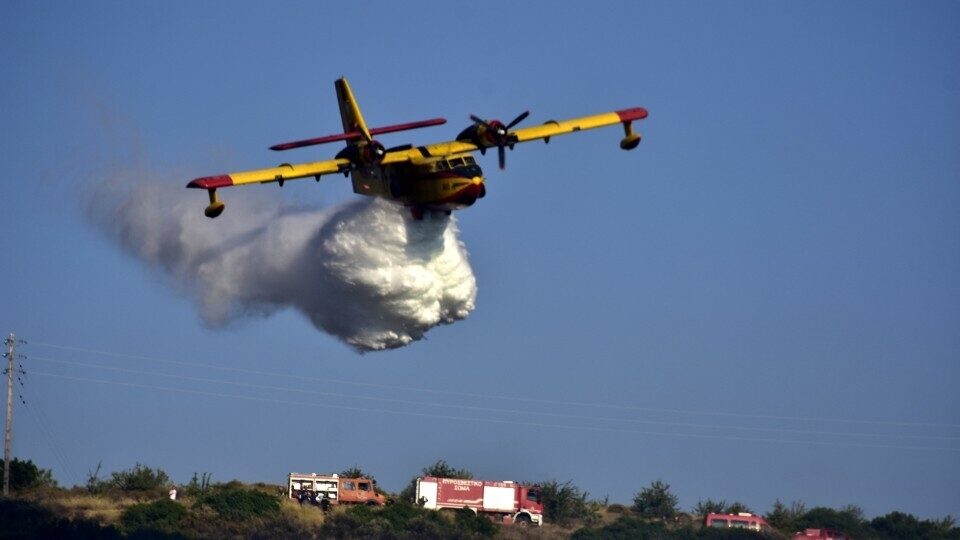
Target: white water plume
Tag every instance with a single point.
(363, 271)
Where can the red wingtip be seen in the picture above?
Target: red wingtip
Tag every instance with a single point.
(211, 182)
(636, 113)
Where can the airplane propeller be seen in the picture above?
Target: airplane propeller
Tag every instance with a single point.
(499, 134)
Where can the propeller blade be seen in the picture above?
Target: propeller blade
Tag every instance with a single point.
(518, 119)
(502, 157)
(480, 121)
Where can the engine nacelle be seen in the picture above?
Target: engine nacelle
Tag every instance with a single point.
(484, 136)
(364, 153)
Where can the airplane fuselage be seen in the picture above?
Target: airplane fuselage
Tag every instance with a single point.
(439, 183)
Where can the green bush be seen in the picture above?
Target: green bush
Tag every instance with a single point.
(472, 524)
(900, 525)
(234, 502)
(635, 527)
(141, 482)
(403, 521)
(26, 475)
(27, 519)
(163, 515)
(563, 503)
(626, 528)
(197, 486)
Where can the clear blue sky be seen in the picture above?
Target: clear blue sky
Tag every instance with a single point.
(762, 301)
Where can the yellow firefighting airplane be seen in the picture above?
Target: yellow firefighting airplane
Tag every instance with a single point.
(437, 177)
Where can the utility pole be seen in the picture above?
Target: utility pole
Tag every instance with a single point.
(11, 355)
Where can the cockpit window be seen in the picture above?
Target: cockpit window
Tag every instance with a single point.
(442, 165)
(457, 162)
(469, 160)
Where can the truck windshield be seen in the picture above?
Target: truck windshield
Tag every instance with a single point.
(364, 486)
(533, 496)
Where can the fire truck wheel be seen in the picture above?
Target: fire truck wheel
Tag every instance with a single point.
(523, 521)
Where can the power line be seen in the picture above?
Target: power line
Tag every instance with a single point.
(48, 433)
(490, 409)
(498, 421)
(502, 397)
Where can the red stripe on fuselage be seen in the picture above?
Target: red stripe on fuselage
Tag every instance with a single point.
(465, 197)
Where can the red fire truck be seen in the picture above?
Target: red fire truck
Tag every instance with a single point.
(504, 502)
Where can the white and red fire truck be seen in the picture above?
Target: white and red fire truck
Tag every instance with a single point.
(504, 502)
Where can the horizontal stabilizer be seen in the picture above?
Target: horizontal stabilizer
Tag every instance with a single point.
(356, 135)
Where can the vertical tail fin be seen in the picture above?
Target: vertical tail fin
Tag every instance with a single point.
(349, 110)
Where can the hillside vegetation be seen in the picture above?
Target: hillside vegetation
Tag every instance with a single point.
(134, 503)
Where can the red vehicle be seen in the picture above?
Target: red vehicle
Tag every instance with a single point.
(742, 520)
(504, 502)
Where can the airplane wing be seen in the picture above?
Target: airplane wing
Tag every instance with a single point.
(279, 174)
(472, 141)
(554, 128)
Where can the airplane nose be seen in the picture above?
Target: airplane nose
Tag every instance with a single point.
(478, 181)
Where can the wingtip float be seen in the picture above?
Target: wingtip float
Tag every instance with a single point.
(438, 177)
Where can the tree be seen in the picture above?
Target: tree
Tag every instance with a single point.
(898, 525)
(26, 474)
(849, 520)
(786, 519)
(94, 484)
(656, 501)
(737, 507)
(197, 486)
(563, 503)
(709, 506)
(356, 472)
(440, 469)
